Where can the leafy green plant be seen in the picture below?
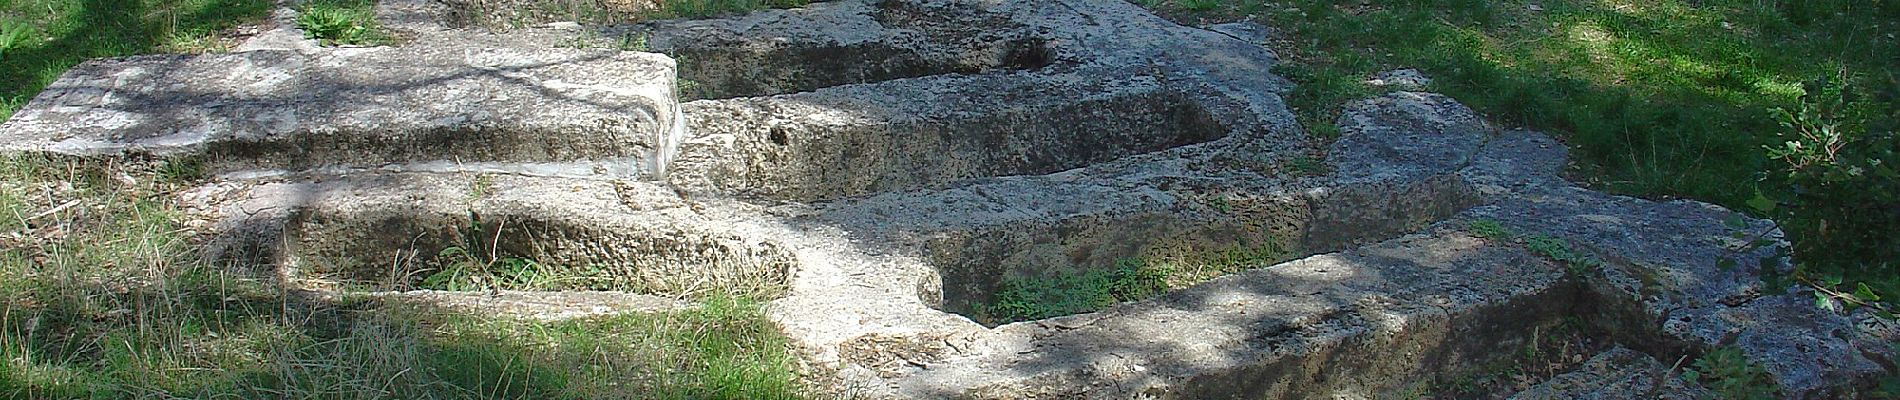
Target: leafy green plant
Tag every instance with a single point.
(1490, 229)
(1838, 152)
(1130, 279)
(14, 35)
(1308, 166)
(1554, 248)
(1075, 293)
(340, 22)
(1728, 373)
(1559, 249)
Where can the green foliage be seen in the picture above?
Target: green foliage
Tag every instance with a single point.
(1308, 166)
(1075, 293)
(1321, 92)
(1837, 154)
(49, 36)
(1559, 249)
(107, 299)
(340, 22)
(1554, 248)
(1728, 373)
(14, 35)
(1132, 279)
(634, 42)
(463, 270)
(1489, 229)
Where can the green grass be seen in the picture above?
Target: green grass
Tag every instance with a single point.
(1131, 279)
(1728, 373)
(1075, 293)
(108, 299)
(340, 22)
(1660, 99)
(57, 34)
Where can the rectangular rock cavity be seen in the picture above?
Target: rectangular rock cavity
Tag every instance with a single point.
(1376, 320)
(927, 133)
(831, 44)
(748, 68)
(1184, 243)
(400, 232)
(363, 108)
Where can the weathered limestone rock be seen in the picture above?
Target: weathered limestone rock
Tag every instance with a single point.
(1401, 79)
(541, 110)
(1245, 30)
(884, 164)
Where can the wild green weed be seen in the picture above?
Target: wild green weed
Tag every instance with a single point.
(340, 22)
(1075, 293)
(1728, 373)
(1130, 279)
(14, 35)
(1556, 249)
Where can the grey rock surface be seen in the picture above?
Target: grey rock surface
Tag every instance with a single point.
(1245, 30)
(364, 108)
(1401, 79)
(877, 168)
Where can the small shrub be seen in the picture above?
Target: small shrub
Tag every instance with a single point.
(1837, 152)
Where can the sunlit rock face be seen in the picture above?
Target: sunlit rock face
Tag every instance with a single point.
(885, 170)
(545, 111)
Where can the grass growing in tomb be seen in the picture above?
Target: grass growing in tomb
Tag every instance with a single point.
(106, 298)
(1130, 279)
(1785, 109)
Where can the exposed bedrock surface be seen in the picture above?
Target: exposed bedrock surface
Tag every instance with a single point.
(412, 108)
(880, 168)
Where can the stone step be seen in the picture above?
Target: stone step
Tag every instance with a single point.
(554, 111)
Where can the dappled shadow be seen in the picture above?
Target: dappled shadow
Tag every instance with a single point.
(343, 119)
(203, 334)
(103, 28)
